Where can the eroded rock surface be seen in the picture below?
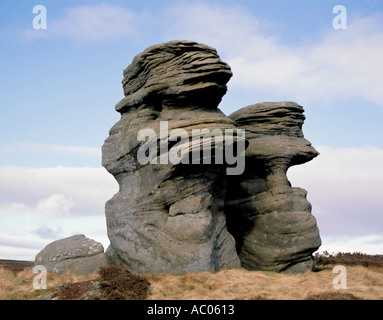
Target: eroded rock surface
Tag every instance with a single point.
(177, 73)
(168, 216)
(271, 221)
(179, 209)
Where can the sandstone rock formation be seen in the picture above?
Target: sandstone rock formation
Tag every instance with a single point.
(175, 74)
(270, 220)
(198, 191)
(180, 207)
(76, 254)
(168, 215)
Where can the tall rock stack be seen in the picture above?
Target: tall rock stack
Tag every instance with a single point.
(168, 215)
(270, 220)
(178, 208)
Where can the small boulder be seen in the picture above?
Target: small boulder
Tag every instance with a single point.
(76, 254)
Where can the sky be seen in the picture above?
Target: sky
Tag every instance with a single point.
(59, 86)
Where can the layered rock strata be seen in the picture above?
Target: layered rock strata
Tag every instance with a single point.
(168, 215)
(271, 221)
(179, 207)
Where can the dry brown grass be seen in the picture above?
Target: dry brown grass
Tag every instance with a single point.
(19, 285)
(362, 283)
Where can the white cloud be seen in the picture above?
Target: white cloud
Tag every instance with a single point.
(18, 252)
(92, 23)
(226, 27)
(341, 64)
(55, 205)
(371, 244)
(58, 190)
(345, 189)
(43, 148)
(49, 233)
(20, 247)
(13, 241)
(14, 207)
(39, 205)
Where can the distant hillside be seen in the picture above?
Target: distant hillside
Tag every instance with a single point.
(349, 259)
(16, 265)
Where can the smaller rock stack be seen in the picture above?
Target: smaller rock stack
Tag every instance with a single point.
(270, 220)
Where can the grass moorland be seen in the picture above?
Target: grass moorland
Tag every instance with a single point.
(364, 281)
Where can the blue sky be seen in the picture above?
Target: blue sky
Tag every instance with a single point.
(59, 87)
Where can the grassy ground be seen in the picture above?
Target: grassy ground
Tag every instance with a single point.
(364, 281)
(19, 285)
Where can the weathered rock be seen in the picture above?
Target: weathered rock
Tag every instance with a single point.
(178, 73)
(270, 220)
(178, 208)
(168, 216)
(76, 254)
